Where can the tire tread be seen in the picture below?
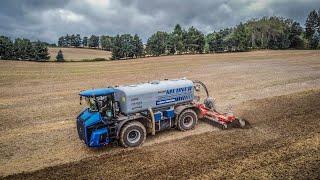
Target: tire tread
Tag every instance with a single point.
(126, 126)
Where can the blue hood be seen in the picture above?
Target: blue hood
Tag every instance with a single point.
(90, 118)
(96, 92)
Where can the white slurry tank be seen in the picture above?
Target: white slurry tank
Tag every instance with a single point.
(155, 94)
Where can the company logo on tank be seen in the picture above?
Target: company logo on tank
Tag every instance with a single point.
(177, 94)
(179, 90)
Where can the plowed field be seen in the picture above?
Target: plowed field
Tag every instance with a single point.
(39, 103)
(283, 142)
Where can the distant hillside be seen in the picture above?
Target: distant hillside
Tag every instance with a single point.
(79, 54)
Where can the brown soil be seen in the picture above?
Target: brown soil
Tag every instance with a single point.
(283, 142)
(39, 101)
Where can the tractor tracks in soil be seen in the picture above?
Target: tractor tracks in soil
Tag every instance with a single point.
(39, 101)
(283, 142)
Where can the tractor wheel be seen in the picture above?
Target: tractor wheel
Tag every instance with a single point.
(187, 120)
(132, 134)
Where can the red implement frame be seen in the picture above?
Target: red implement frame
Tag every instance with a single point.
(212, 115)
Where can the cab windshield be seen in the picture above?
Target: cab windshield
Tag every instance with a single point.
(102, 104)
(92, 104)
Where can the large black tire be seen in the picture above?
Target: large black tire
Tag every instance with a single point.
(187, 120)
(132, 134)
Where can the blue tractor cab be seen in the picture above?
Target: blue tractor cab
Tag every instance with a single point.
(92, 122)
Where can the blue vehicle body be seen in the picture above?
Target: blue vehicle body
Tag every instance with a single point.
(87, 132)
(147, 103)
(99, 137)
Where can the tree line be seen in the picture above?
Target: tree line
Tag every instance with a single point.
(264, 33)
(312, 32)
(23, 49)
(122, 46)
(75, 40)
(179, 41)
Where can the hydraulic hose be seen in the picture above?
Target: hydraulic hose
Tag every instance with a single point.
(203, 85)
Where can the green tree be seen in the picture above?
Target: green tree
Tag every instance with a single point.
(221, 41)
(171, 44)
(40, 51)
(314, 41)
(241, 38)
(178, 39)
(269, 32)
(138, 46)
(319, 21)
(59, 56)
(297, 42)
(77, 40)
(127, 46)
(296, 29)
(62, 42)
(116, 47)
(311, 24)
(209, 40)
(283, 41)
(195, 40)
(295, 38)
(106, 42)
(6, 48)
(68, 40)
(93, 41)
(157, 43)
(215, 42)
(73, 40)
(229, 43)
(23, 49)
(85, 41)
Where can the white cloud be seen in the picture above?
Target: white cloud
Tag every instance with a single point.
(69, 16)
(98, 3)
(258, 5)
(58, 15)
(225, 8)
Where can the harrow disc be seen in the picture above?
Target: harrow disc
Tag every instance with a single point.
(240, 123)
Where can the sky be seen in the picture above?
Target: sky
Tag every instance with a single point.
(46, 20)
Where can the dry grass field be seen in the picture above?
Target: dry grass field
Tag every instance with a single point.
(79, 54)
(39, 103)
